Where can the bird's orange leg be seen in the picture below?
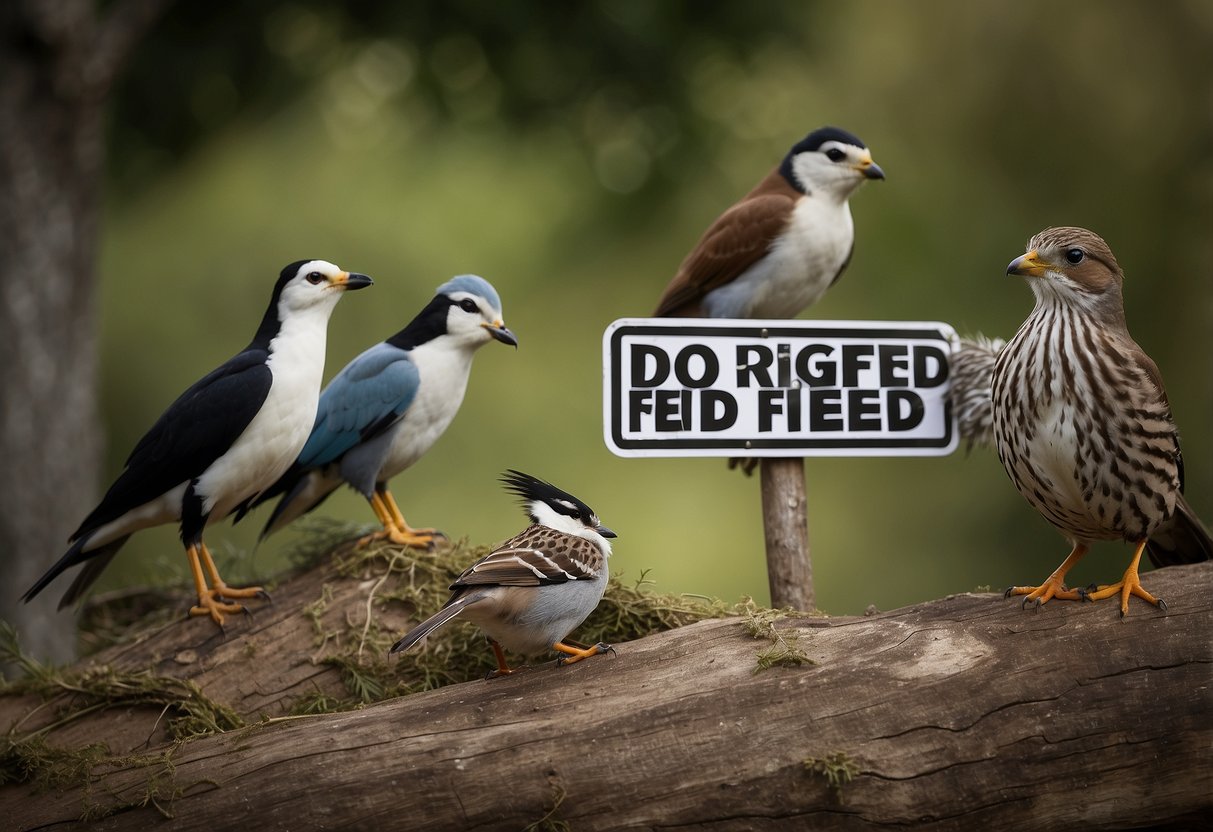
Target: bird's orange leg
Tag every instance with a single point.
(395, 529)
(222, 589)
(503, 668)
(574, 654)
(208, 599)
(1129, 584)
(1054, 585)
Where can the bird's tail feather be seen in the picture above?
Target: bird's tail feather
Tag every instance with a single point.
(432, 623)
(307, 493)
(1183, 539)
(972, 376)
(95, 561)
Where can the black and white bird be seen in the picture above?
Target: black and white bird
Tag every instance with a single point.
(775, 252)
(222, 442)
(388, 406)
(530, 592)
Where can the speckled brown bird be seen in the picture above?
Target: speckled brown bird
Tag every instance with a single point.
(530, 592)
(1082, 423)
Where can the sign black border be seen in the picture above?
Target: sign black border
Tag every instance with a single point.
(765, 331)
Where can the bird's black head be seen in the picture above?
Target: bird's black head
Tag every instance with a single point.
(820, 136)
(829, 158)
(551, 506)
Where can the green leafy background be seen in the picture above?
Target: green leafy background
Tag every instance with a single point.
(572, 156)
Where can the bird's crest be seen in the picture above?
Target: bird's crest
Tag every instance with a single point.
(531, 488)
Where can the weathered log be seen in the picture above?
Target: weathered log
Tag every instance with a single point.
(965, 713)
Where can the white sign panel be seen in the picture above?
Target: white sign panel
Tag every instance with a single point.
(713, 387)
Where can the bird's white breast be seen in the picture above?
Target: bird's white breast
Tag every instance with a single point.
(797, 270)
(443, 369)
(276, 435)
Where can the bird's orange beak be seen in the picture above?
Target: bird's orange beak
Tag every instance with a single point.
(868, 168)
(1028, 265)
(349, 281)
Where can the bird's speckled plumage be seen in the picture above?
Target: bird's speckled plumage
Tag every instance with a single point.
(534, 589)
(1081, 420)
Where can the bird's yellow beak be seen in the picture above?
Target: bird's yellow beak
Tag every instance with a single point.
(349, 281)
(868, 168)
(498, 330)
(1029, 265)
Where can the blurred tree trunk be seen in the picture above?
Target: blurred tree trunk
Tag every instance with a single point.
(57, 66)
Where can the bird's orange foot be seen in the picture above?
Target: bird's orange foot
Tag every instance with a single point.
(426, 539)
(1130, 584)
(222, 590)
(211, 603)
(574, 654)
(1050, 589)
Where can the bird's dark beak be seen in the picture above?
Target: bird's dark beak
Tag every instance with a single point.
(1028, 265)
(605, 532)
(869, 169)
(498, 330)
(349, 281)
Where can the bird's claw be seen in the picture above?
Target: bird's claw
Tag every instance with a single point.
(577, 655)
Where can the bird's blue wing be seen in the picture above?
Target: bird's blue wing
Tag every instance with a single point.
(195, 430)
(370, 394)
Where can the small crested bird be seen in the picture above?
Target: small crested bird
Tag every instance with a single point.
(775, 252)
(1082, 423)
(530, 592)
(225, 439)
(388, 406)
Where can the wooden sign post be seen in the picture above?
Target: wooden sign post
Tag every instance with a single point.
(779, 391)
(785, 525)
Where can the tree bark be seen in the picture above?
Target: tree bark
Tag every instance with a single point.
(966, 713)
(56, 69)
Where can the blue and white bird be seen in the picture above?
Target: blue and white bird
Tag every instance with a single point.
(222, 442)
(776, 251)
(388, 406)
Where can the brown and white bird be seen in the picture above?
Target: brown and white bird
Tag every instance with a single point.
(775, 252)
(1082, 423)
(530, 592)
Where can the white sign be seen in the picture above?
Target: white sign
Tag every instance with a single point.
(715, 387)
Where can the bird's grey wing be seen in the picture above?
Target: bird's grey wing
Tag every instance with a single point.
(738, 239)
(370, 394)
(195, 430)
(537, 557)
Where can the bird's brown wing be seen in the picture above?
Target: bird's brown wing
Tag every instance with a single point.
(738, 238)
(537, 557)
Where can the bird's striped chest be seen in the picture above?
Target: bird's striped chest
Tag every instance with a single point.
(798, 267)
(274, 437)
(443, 372)
(1082, 431)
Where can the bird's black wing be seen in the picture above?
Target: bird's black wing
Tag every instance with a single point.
(198, 428)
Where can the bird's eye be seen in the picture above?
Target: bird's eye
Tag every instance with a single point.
(314, 278)
(468, 305)
(835, 155)
(1074, 256)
